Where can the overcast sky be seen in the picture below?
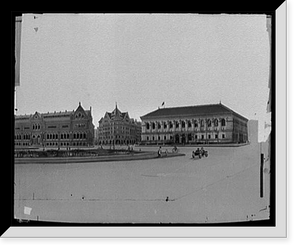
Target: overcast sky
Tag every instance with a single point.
(142, 60)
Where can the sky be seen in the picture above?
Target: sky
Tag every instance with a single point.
(143, 60)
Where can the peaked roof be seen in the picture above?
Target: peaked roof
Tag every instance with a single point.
(117, 114)
(54, 114)
(198, 110)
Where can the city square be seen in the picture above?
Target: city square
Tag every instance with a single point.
(224, 187)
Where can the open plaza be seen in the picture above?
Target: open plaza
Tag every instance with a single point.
(223, 187)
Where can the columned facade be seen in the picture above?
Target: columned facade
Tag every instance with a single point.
(206, 125)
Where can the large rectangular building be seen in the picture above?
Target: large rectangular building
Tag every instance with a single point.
(117, 127)
(55, 129)
(202, 124)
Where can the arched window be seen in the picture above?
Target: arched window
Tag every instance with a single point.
(153, 125)
(209, 123)
(201, 122)
(223, 123)
(147, 126)
(216, 122)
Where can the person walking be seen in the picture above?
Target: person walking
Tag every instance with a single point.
(159, 152)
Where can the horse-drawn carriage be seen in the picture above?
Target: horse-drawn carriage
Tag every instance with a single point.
(201, 153)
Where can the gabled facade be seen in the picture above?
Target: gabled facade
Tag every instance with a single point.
(55, 129)
(202, 124)
(117, 127)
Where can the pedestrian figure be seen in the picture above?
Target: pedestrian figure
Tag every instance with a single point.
(159, 152)
(167, 199)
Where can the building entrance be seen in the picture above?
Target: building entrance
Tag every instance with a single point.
(36, 139)
(183, 139)
(177, 139)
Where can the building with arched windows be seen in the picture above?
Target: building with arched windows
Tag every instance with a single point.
(118, 128)
(202, 124)
(55, 129)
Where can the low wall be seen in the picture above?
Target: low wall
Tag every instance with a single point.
(65, 160)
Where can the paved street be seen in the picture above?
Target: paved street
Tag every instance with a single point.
(223, 187)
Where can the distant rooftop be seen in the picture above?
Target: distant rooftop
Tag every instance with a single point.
(197, 110)
(55, 114)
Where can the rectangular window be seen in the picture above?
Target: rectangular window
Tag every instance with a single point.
(202, 136)
(208, 136)
(223, 136)
(216, 136)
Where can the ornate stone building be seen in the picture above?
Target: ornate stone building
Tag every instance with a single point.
(117, 127)
(200, 124)
(55, 129)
